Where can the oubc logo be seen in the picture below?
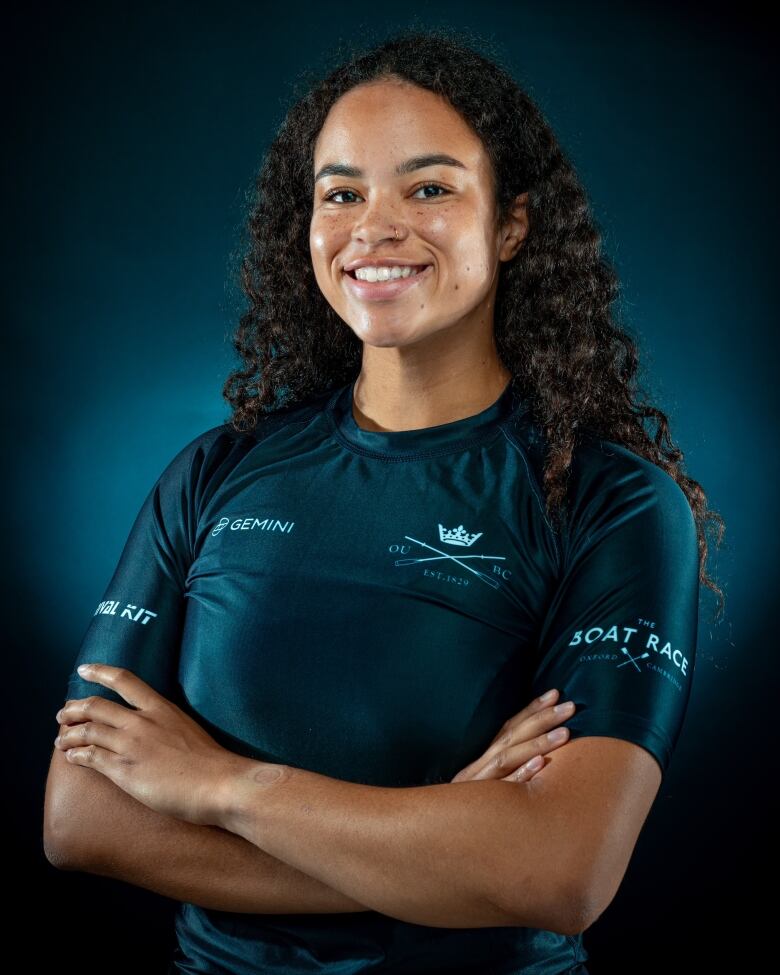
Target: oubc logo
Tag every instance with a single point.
(250, 524)
(457, 536)
(453, 536)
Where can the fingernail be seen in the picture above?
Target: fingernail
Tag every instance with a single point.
(558, 735)
(548, 696)
(560, 708)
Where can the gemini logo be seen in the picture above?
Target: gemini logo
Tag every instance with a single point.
(250, 524)
(130, 612)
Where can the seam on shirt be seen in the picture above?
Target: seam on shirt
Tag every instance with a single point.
(473, 441)
(534, 487)
(255, 441)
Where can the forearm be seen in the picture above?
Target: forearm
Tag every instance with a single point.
(213, 868)
(462, 854)
(116, 836)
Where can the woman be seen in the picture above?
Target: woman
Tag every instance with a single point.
(435, 498)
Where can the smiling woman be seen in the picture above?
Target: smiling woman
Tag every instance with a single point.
(325, 645)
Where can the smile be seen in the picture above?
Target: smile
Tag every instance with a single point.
(378, 290)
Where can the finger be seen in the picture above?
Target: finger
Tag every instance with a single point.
(126, 684)
(103, 761)
(538, 704)
(94, 708)
(89, 733)
(507, 760)
(526, 771)
(516, 732)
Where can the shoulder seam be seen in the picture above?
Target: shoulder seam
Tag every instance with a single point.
(535, 488)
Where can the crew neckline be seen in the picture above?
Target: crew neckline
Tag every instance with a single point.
(422, 441)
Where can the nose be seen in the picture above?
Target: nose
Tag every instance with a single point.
(375, 235)
(376, 224)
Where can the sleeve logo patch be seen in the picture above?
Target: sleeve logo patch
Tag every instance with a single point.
(134, 613)
(630, 649)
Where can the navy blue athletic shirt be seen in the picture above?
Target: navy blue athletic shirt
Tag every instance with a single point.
(372, 606)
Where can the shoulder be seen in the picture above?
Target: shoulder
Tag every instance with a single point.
(604, 470)
(601, 470)
(609, 486)
(614, 490)
(214, 452)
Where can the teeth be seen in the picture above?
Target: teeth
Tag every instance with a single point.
(383, 273)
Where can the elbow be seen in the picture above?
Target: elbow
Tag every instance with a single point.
(569, 915)
(60, 811)
(534, 902)
(59, 853)
(565, 911)
(578, 910)
(55, 848)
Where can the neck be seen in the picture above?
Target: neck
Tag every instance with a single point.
(400, 400)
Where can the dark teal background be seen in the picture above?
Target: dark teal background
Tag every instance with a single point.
(133, 137)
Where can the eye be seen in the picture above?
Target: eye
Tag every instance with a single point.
(334, 193)
(436, 186)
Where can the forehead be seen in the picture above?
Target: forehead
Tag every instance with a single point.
(380, 124)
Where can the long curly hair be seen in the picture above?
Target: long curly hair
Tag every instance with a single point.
(554, 329)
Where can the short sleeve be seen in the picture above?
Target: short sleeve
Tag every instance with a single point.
(619, 638)
(137, 622)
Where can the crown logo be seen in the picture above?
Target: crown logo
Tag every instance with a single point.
(457, 536)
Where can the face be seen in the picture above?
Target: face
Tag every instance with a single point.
(370, 202)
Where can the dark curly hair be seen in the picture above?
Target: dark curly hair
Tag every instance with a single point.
(554, 330)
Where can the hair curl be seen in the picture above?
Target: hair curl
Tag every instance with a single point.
(554, 330)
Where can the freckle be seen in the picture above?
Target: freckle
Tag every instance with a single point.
(457, 286)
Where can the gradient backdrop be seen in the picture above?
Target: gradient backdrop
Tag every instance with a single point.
(134, 135)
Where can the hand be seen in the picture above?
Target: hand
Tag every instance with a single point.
(157, 753)
(522, 739)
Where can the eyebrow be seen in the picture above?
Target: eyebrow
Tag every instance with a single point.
(416, 162)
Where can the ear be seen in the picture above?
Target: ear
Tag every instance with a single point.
(515, 229)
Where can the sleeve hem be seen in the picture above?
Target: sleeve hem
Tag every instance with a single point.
(606, 722)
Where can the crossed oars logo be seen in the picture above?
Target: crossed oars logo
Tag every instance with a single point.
(446, 555)
(633, 660)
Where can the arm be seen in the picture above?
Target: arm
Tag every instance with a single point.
(119, 837)
(598, 792)
(463, 854)
(91, 824)
(619, 640)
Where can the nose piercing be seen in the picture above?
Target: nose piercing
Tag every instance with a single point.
(396, 233)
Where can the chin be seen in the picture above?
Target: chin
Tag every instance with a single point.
(385, 336)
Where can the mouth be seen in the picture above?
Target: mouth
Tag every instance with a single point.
(416, 268)
(392, 288)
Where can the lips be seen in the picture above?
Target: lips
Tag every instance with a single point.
(387, 290)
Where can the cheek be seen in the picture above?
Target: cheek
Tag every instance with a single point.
(328, 231)
(320, 243)
(461, 238)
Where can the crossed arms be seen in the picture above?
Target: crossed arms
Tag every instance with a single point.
(549, 853)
